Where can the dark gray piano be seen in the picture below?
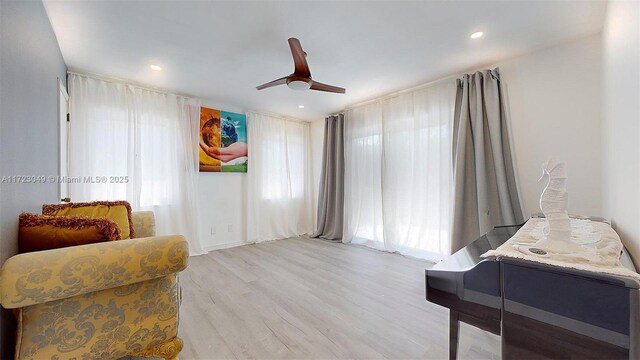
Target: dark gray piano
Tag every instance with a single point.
(540, 311)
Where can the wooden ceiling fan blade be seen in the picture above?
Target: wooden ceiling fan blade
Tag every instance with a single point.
(281, 81)
(328, 88)
(299, 58)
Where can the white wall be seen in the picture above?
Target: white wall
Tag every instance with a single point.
(223, 201)
(621, 121)
(317, 143)
(555, 102)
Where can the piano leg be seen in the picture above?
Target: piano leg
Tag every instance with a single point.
(454, 332)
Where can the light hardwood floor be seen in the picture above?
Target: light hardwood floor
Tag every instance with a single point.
(313, 299)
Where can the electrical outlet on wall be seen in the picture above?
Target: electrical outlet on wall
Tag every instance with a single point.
(230, 227)
(213, 230)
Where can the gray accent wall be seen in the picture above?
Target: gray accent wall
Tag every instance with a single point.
(30, 64)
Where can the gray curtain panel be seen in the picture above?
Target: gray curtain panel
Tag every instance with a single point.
(331, 194)
(485, 193)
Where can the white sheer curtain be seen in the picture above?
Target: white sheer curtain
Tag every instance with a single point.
(279, 178)
(398, 172)
(137, 145)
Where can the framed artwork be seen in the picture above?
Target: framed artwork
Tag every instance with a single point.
(223, 141)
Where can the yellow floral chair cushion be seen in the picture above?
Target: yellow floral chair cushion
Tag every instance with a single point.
(98, 301)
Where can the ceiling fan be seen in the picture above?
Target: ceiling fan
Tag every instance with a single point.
(301, 77)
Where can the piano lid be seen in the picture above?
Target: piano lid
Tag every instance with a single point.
(469, 256)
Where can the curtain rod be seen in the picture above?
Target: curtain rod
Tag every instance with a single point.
(413, 88)
(114, 79)
(283, 117)
(399, 92)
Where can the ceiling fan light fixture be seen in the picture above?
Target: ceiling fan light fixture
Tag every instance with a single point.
(299, 84)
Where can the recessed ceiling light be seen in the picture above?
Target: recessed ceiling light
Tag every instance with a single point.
(476, 35)
(300, 106)
(155, 67)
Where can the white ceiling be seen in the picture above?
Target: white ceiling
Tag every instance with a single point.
(223, 50)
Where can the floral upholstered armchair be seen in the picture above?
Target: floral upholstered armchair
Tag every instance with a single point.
(99, 301)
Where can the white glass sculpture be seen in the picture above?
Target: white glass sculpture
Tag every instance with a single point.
(554, 203)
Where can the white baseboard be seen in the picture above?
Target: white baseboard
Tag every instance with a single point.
(225, 245)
